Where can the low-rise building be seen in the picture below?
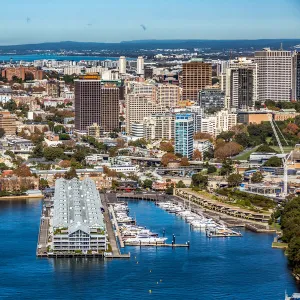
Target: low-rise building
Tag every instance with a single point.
(78, 223)
(8, 122)
(285, 114)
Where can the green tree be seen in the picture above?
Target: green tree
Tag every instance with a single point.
(43, 183)
(38, 151)
(10, 153)
(3, 166)
(227, 167)
(265, 148)
(226, 136)
(71, 174)
(59, 129)
(64, 137)
(199, 180)
(211, 169)
(273, 161)
(234, 180)
(257, 177)
(243, 139)
(51, 153)
(180, 185)
(2, 132)
(147, 184)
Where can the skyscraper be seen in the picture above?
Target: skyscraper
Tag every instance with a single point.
(140, 66)
(296, 77)
(239, 81)
(196, 75)
(122, 65)
(241, 88)
(96, 103)
(184, 131)
(274, 74)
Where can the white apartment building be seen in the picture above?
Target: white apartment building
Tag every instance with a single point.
(122, 65)
(73, 70)
(219, 122)
(168, 95)
(159, 126)
(274, 74)
(137, 130)
(140, 66)
(139, 106)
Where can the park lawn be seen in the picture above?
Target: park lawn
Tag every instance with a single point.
(246, 155)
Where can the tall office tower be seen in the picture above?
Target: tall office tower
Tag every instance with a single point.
(211, 97)
(296, 77)
(139, 106)
(122, 65)
(184, 131)
(241, 88)
(168, 95)
(274, 74)
(196, 75)
(140, 66)
(159, 126)
(240, 83)
(96, 103)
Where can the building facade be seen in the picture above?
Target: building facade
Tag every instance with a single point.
(196, 75)
(140, 66)
(211, 98)
(184, 133)
(78, 223)
(122, 65)
(96, 103)
(168, 95)
(159, 126)
(296, 77)
(274, 74)
(8, 122)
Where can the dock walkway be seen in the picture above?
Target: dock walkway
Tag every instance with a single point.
(110, 231)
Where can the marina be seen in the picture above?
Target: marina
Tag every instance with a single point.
(221, 264)
(130, 234)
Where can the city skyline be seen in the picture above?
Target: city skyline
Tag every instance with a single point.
(164, 20)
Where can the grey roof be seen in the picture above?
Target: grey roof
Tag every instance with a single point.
(77, 205)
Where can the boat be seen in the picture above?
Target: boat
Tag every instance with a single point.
(295, 296)
(145, 240)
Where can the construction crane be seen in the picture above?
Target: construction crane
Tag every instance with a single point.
(285, 158)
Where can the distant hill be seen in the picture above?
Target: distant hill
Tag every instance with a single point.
(153, 44)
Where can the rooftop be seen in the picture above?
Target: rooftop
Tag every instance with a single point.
(77, 205)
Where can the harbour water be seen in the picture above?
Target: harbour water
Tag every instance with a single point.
(225, 268)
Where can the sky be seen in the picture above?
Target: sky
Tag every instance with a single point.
(35, 21)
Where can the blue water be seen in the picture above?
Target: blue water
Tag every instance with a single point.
(56, 57)
(244, 268)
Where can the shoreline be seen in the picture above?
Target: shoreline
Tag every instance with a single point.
(23, 197)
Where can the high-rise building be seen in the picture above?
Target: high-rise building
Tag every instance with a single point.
(184, 133)
(296, 77)
(239, 81)
(211, 97)
(159, 126)
(122, 65)
(241, 91)
(140, 66)
(168, 95)
(96, 103)
(139, 106)
(196, 75)
(274, 74)
(8, 122)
